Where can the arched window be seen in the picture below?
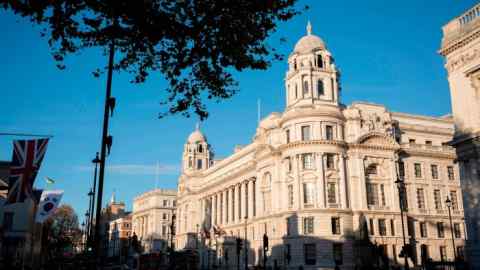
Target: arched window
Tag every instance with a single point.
(305, 88)
(190, 162)
(200, 148)
(320, 88)
(319, 61)
(295, 64)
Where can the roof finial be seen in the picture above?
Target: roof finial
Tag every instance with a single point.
(309, 28)
(197, 126)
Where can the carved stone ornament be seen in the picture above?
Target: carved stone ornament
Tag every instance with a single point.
(462, 60)
(475, 81)
(377, 122)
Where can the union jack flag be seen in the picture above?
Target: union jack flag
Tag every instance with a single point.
(26, 160)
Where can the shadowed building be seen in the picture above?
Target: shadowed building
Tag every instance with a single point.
(319, 180)
(461, 49)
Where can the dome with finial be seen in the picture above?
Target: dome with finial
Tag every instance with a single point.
(309, 42)
(196, 136)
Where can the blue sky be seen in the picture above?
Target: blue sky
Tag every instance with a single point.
(386, 51)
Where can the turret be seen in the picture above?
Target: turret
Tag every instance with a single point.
(197, 155)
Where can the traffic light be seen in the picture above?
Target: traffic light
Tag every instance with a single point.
(239, 245)
(265, 242)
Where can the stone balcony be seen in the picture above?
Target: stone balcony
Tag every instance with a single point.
(459, 27)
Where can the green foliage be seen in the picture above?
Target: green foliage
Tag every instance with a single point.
(195, 44)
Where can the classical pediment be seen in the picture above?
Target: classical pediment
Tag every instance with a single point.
(377, 139)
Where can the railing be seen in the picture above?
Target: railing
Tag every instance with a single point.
(415, 146)
(460, 25)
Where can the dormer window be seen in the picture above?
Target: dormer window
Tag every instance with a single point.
(320, 88)
(319, 61)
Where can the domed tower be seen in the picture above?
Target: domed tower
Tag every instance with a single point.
(197, 155)
(312, 77)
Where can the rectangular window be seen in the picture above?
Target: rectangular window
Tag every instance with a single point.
(410, 227)
(329, 132)
(372, 194)
(308, 193)
(372, 229)
(437, 198)
(164, 230)
(290, 196)
(382, 228)
(288, 164)
(423, 230)
(418, 170)
(338, 253)
(165, 202)
(7, 221)
(460, 253)
(164, 216)
(382, 195)
(401, 169)
(451, 174)
(434, 169)
(331, 193)
(308, 225)
(305, 133)
(440, 230)
(335, 225)
(412, 141)
(392, 227)
(287, 135)
(199, 163)
(310, 254)
(456, 230)
(443, 253)
(453, 197)
(330, 161)
(420, 198)
(428, 142)
(307, 161)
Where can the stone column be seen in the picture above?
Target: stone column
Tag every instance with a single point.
(232, 204)
(343, 188)
(214, 209)
(239, 202)
(250, 198)
(225, 207)
(244, 200)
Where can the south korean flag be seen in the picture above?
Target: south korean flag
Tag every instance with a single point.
(48, 203)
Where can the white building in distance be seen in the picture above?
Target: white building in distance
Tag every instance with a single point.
(152, 219)
(319, 180)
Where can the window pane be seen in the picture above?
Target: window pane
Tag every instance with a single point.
(434, 169)
(320, 88)
(418, 170)
(420, 198)
(331, 193)
(451, 175)
(329, 132)
(305, 133)
(437, 199)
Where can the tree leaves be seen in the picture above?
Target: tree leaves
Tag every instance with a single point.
(194, 44)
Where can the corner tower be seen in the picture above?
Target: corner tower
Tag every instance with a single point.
(197, 155)
(312, 78)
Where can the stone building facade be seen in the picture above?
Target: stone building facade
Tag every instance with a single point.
(319, 180)
(461, 49)
(152, 216)
(120, 233)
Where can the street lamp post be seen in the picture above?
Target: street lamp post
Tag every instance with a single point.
(92, 192)
(448, 202)
(401, 190)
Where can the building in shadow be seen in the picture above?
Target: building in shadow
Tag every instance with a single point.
(461, 49)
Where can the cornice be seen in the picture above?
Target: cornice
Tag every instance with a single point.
(290, 145)
(458, 43)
